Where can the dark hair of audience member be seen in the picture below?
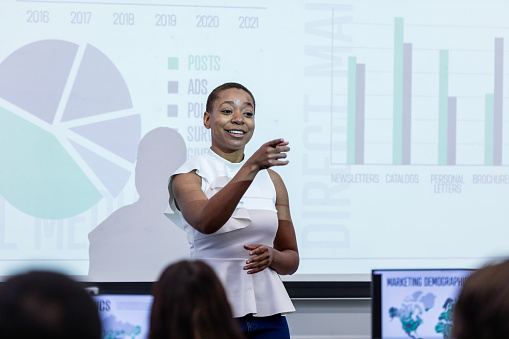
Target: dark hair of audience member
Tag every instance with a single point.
(190, 303)
(482, 309)
(46, 305)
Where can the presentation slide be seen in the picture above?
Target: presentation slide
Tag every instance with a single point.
(395, 111)
(124, 316)
(419, 304)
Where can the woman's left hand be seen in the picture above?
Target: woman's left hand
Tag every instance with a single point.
(263, 257)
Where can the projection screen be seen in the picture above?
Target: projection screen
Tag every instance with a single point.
(395, 112)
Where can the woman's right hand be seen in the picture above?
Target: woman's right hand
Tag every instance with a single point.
(269, 154)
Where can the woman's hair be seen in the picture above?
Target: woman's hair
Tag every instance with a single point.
(190, 303)
(482, 309)
(216, 91)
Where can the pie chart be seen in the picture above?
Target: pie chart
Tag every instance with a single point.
(68, 133)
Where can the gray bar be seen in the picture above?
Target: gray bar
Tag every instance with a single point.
(451, 131)
(406, 123)
(173, 110)
(173, 87)
(360, 98)
(498, 101)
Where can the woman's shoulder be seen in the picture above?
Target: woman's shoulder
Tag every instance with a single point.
(275, 177)
(279, 187)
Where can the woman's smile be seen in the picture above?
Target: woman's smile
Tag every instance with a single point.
(236, 133)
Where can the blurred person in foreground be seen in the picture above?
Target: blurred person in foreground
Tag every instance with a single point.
(47, 305)
(482, 309)
(190, 303)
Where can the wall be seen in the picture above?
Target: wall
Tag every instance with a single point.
(331, 319)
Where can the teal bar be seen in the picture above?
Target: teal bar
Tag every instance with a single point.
(352, 84)
(173, 63)
(443, 97)
(397, 130)
(489, 128)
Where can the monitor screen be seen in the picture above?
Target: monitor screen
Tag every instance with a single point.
(124, 316)
(415, 303)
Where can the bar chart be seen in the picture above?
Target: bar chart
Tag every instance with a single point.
(444, 120)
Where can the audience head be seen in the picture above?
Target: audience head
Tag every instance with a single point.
(190, 303)
(46, 305)
(482, 309)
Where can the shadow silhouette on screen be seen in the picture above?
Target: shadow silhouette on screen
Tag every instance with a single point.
(137, 241)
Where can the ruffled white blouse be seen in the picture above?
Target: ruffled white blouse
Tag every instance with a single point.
(254, 221)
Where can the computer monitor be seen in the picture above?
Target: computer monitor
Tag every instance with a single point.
(414, 303)
(124, 315)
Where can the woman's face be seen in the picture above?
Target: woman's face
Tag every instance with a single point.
(231, 121)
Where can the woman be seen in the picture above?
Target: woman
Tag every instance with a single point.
(190, 303)
(237, 215)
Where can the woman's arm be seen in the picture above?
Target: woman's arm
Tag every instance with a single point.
(209, 215)
(284, 256)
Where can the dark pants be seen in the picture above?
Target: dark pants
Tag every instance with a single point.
(272, 327)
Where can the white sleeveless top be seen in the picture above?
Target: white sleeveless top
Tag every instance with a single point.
(254, 221)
